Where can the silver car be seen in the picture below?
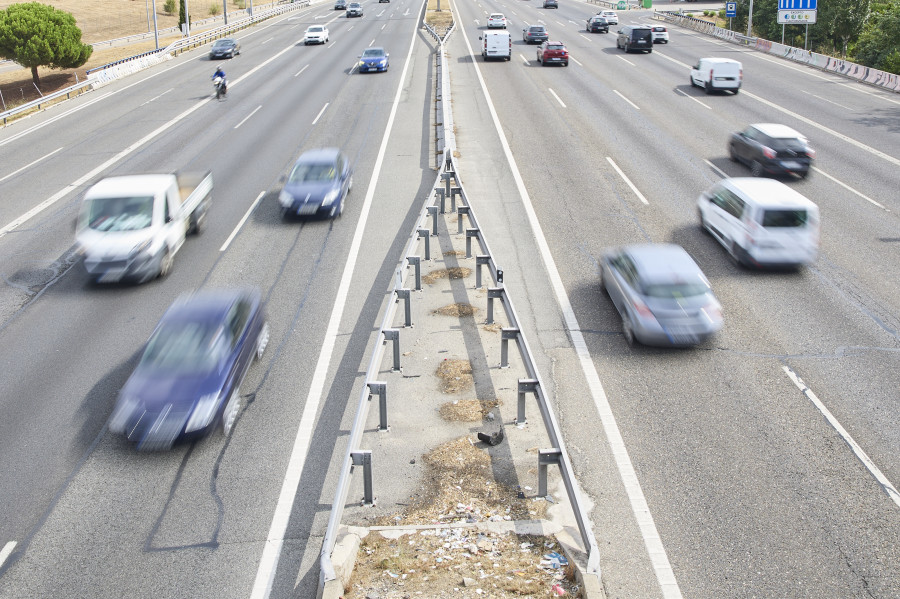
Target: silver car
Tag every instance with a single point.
(661, 294)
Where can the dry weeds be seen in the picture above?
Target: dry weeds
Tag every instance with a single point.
(455, 272)
(467, 410)
(455, 375)
(457, 310)
(459, 486)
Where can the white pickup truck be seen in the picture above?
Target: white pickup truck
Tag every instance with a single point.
(131, 227)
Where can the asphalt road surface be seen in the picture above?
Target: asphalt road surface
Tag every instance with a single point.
(751, 491)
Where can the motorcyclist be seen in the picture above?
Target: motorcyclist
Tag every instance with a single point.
(220, 73)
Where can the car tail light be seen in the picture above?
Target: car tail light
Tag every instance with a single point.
(769, 152)
(741, 75)
(710, 75)
(810, 152)
(642, 309)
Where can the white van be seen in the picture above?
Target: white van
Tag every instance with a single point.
(496, 44)
(717, 73)
(761, 222)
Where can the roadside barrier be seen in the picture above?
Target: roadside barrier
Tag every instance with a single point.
(105, 74)
(882, 79)
(447, 189)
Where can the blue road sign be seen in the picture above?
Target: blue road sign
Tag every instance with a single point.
(730, 9)
(797, 5)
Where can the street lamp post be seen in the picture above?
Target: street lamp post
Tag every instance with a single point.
(750, 20)
(155, 27)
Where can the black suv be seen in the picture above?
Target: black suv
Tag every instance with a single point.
(768, 148)
(535, 34)
(597, 24)
(635, 37)
(551, 4)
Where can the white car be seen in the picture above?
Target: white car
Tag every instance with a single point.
(611, 17)
(496, 20)
(316, 34)
(660, 34)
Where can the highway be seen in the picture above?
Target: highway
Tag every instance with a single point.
(750, 489)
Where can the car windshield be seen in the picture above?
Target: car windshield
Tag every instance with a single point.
(312, 171)
(222, 44)
(784, 218)
(675, 290)
(119, 214)
(788, 143)
(316, 29)
(555, 47)
(373, 53)
(537, 30)
(187, 347)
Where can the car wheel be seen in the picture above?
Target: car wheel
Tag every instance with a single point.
(804, 174)
(731, 153)
(692, 81)
(708, 88)
(736, 252)
(198, 224)
(262, 341)
(565, 64)
(703, 226)
(625, 47)
(229, 416)
(165, 263)
(735, 91)
(756, 169)
(627, 330)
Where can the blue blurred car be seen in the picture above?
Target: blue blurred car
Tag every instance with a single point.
(373, 60)
(188, 380)
(317, 185)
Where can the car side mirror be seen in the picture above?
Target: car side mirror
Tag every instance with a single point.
(479, 37)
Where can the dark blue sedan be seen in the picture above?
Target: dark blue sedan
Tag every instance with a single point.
(188, 380)
(317, 185)
(373, 59)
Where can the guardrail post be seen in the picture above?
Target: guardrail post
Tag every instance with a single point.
(394, 336)
(545, 457)
(415, 262)
(363, 457)
(456, 191)
(379, 388)
(505, 336)
(433, 213)
(424, 233)
(404, 295)
(493, 293)
(525, 386)
(440, 192)
(446, 191)
(462, 210)
(479, 262)
(470, 233)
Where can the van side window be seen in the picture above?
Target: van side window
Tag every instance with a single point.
(237, 319)
(729, 202)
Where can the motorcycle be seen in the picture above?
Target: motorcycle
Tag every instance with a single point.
(219, 84)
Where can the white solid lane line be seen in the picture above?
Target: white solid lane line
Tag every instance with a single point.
(719, 171)
(242, 221)
(30, 164)
(656, 552)
(693, 98)
(557, 98)
(318, 116)
(265, 574)
(860, 454)
(5, 553)
(246, 118)
(301, 70)
(850, 189)
(635, 106)
(628, 181)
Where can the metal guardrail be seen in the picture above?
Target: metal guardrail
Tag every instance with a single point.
(557, 454)
(181, 45)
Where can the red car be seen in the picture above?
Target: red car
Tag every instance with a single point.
(553, 53)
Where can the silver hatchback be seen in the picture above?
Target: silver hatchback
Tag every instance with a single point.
(661, 294)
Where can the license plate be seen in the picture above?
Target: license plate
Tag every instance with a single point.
(112, 275)
(373, 68)
(790, 164)
(307, 209)
(554, 58)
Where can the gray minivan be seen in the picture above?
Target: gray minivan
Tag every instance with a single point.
(635, 38)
